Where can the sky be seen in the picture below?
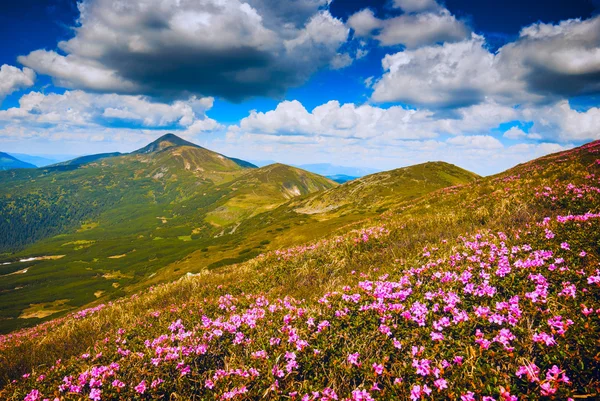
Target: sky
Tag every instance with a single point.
(372, 84)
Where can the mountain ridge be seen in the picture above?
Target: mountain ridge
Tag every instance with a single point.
(8, 162)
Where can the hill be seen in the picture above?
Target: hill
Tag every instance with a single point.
(94, 226)
(489, 290)
(375, 191)
(8, 162)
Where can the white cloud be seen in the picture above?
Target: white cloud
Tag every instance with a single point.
(422, 29)
(551, 60)
(515, 133)
(13, 79)
(547, 63)
(559, 121)
(172, 48)
(341, 60)
(395, 136)
(333, 119)
(364, 22)
(448, 75)
(78, 107)
(410, 30)
(475, 142)
(85, 118)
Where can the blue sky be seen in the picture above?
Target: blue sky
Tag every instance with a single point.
(379, 84)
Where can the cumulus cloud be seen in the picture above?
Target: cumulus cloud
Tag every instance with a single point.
(476, 142)
(434, 25)
(173, 48)
(555, 60)
(560, 122)
(547, 63)
(385, 137)
(368, 122)
(86, 117)
(341, 60)
(514, 133)
(13, 79)
(78, 107)
(448, 75)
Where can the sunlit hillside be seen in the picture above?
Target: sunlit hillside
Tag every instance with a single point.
(484, 291)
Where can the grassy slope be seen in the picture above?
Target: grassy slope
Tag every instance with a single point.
(119, 219)
(408, 250)
(290, 224)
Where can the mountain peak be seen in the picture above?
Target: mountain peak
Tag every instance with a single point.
(164, 142)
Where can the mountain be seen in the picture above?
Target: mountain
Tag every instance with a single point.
(106, 225)
(42, 160)
(327, 169)
(165, 142)
(82, 160)
(103, 222)
(484, 289)
(8, 162)
(341, 178)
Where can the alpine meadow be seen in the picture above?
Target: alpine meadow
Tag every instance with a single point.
(304, 200)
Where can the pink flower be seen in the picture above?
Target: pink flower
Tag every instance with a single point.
(34, 395)
(353, 359)
(141, 388)
(422, 366)
(378, 368)
(118, 383)
(415, 392)
(440, 384)
(95, 394)
(532, 372)
(361, 395)
(469, 396)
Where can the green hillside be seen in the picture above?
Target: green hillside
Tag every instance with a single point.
(119, 223)
(8, 162)
(376, 191)
(489, 290)
(103, 222)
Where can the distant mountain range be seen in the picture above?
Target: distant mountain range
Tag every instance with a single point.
(333, 170)
(341, 178)
(8, 162)
(339, 174)
(42, 160)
